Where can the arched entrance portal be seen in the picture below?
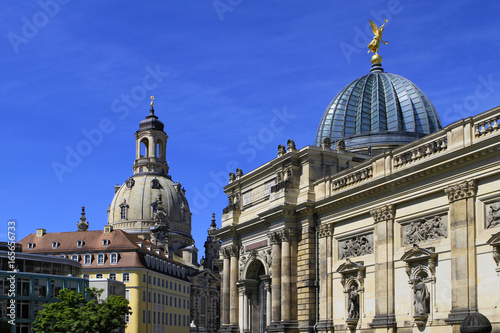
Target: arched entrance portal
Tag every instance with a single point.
(255, 299)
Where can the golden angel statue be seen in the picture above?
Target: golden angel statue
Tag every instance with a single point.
(375, 43)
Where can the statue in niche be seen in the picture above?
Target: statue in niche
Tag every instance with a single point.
(493, 215)
(421, 297)
(353, 303)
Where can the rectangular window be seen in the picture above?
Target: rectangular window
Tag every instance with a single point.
(188, 304)
(144, 278)
(113, 258)
(40, 287)
(127, 318)
(149, 297)
(162, 283)
(88, 259)
(170, 319)
(154, 280)
(126, 277)
(100, 259)
(127, 294)
(163, 299)
(149, 279)
(175, 302)
(154, 317)
(144, 295)
(184, 303)
(154, 297)
(170, 300)
(143, 316)
(112, 276)
(149, 316)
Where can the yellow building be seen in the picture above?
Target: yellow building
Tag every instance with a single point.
(157, 286)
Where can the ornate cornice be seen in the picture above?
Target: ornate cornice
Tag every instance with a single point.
(325, 230)
(462, 190)
(383, 213)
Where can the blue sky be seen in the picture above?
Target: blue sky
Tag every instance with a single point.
(232, 80)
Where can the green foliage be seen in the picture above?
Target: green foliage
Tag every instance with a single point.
(74, 314)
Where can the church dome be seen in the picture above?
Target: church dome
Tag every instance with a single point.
(136, 203)
(378, 111)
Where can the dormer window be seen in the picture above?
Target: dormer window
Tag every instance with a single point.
(148, 259)
(124, 210)
(105, 242)
(75, 257)
(55, 245)
(100, 259)
(31, 246)
(87, 259)
(113, 258)
(79, 243)
(155, 183)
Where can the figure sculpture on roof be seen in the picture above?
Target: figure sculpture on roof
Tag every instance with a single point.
(375, 43)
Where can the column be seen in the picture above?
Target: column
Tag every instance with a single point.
(286, 305)
(243, 300)
(384, 268)
(463, 251)
(233, 288)
(268, 302)
(225, 286)
(275, 240)
(325, 320)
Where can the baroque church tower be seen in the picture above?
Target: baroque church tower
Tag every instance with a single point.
(150, 204)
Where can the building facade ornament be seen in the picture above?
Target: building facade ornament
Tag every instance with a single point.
(353, 286)
(424, 230)
(356, 246)
(274, 237)
(281, 150)
(463, 190)
(383, 213)
(325, 230)
(493, 214)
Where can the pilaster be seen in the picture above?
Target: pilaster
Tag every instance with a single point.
(462, 197)
(384, 319)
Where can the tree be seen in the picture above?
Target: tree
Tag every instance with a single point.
(75, 314)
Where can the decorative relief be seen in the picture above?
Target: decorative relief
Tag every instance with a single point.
(383, 213)
(463, 190)
(492, 214)
(356, 246)
(268, 255)
(244, 258)
(325, 230)
(424, 230)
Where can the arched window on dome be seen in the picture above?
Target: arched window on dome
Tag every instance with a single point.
(144, 148)
(160, 149)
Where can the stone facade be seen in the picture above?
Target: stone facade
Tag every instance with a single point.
(407, 241)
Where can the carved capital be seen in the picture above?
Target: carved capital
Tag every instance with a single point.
(463, 190)
(288, 235)
(383, 213)
(325, 230)
(274, 237)
(229, 251)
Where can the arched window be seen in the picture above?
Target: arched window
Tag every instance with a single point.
(144, 147)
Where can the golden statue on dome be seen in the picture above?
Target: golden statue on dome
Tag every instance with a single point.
(375, 43)
(152, 101)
